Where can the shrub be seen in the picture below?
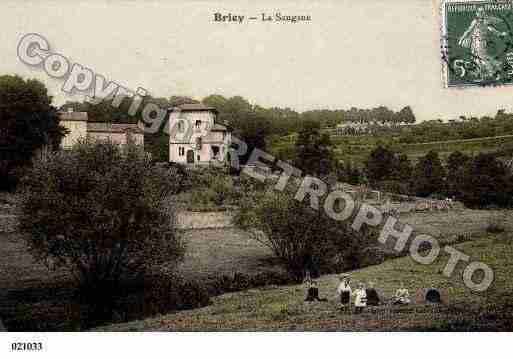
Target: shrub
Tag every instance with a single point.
(300, 237)
(211, 187)
(240, 281)
(372, 256)
(102, 212)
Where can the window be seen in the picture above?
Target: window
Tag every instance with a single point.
(198, 158)
(180, 126)
(198, 124)
(181, 151)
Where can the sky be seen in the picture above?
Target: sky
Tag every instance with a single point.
(364, 53)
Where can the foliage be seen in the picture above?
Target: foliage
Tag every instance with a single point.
(429, 175)
(300, 237)
(386, 166)
(456, 165)
(349, 173)
(314, 152)
(211, 188)
(28, 121)
(379, 166)
(102, 212)
(487, 182)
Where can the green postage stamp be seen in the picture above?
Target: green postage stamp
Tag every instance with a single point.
(477, 43)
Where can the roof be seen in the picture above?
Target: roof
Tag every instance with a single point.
(218, 127)
(73, 116)
(113, 127)
(195, 107)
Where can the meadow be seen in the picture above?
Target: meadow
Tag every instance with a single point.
(283, 309)
(35, 297)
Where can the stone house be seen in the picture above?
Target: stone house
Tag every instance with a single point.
(197, 137)
(79, 126)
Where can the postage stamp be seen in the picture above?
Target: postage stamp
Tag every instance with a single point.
(477, 43)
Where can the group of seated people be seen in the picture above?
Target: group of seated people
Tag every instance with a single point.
(364, 296)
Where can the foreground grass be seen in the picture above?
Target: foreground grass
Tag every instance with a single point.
(282, 308)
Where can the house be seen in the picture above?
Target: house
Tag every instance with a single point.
(198, 137)
(79, 126)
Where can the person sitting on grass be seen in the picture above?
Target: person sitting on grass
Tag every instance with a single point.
(344, 291)
(402, 296)
(312, 293)
(433, 296)
(372, 295)
(360, 301)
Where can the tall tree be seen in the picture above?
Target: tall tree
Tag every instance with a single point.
(457, 165)
(28, 122)
(406, 115)
(314, 150)
(380, 165)
(429, 175)
(487, 182)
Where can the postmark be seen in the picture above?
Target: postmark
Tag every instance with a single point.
(477, 43)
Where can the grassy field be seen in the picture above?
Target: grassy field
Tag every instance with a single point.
(282, 308)
(34, 296)
(356, 149)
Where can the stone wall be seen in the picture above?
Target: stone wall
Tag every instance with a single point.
(204, 220)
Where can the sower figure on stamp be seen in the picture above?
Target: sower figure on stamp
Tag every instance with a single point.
(344, 292)
(479, 37)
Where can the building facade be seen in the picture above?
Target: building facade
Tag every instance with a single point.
(79, 127)
(197, 137)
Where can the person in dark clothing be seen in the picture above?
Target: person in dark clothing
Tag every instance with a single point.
(433, 296)
(372, 295)
(312, 293)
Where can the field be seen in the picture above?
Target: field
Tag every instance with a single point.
(282, 308)
(33, 296)
(356, 149)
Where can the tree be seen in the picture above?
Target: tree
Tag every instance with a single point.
(314, 150)
(103, 213)
(253, 130)
(28, 122)
(429, 175)
(381, 165)
(457, 165)
(300, 237)
(487, 182)
(403, 169)
(406, 115)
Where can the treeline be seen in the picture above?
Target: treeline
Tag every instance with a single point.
(465, 128)
(252, 123)
(478, 181)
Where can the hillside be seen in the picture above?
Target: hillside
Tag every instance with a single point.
(282, 308)
(357, 149)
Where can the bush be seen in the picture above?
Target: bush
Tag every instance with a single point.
(103, 213)
(211, 187)
(300, 237)
(372, 256)
(240, 281)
